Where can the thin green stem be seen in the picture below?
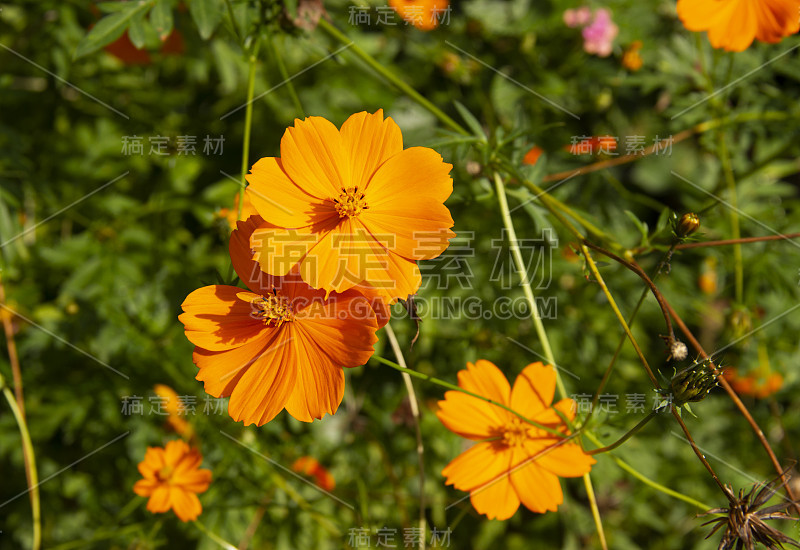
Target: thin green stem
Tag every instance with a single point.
(373, 63)
(587, 482)
(248, 122)
(31, 461)
(233, 22)
(285, 76)
(630, 433)
(647, 481)
(412, 400)
(631, 318)
(738, 263)
(513, 244)
(216, 538)
(449, 386)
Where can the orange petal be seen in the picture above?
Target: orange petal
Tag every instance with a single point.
(265, 387)
(216, 320)
(278, 250)
(186, 505)
(497, 499)
(319, 386)
(484, 378)
(221, 371)
(566, 460)
(369, 141)
(534, 389)
(469, 416)
(342, 327)
(160, 500)
(477, 466)
(279, 200)
(538, 489)
(315, 158)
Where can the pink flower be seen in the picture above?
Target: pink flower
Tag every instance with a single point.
(578, 18)
(598, 37)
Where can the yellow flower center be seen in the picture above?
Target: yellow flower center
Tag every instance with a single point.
(165, 472)
(350, 202)
(514, 434)
(274, 309)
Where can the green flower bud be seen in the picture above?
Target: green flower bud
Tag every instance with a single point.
(688, 224)
(693, 383)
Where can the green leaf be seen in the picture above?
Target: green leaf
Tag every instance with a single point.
(471, 121)
(207, 15)
(136, 31)
(109, 28)
(161, 18)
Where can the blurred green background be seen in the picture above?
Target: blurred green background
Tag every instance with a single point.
(101, 244)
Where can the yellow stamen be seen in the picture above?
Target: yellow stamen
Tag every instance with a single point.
(274, 309)
(350, 202)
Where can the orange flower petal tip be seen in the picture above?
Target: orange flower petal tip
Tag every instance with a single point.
(172, 479)
(512, 462)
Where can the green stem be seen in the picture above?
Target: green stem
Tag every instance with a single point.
(373, 63)
(412, 400)
(735, 230)
(625, 437)
(647, 481)
(285, 76)
(216, 538)
(453, 387)
(587, 482)
(513, 245)
(248, 122)
(540, 331)
(31, 459)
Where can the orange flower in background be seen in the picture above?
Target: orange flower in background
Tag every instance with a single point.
(512, 461)
(734, 24)
(172, 479)
(279, 345)
(423, 14)
(755, 384)
(631, 59)
(172, 405)
(351, 206)
(231, 215)
(310, 466)
(592, 145)
(532, 156)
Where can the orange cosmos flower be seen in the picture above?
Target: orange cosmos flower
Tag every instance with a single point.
(512, 461)
(734, 24)
(351, 206)
(230, 214)
(172, 479)
(532, 156)
(423, 14)
(172, 406)
(311, 467)
(756, 384)
(279, 345)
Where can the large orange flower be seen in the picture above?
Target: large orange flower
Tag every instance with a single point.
(351, 206)
(280, 345)
(172, 479)
(733, 24)
(512, 461)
